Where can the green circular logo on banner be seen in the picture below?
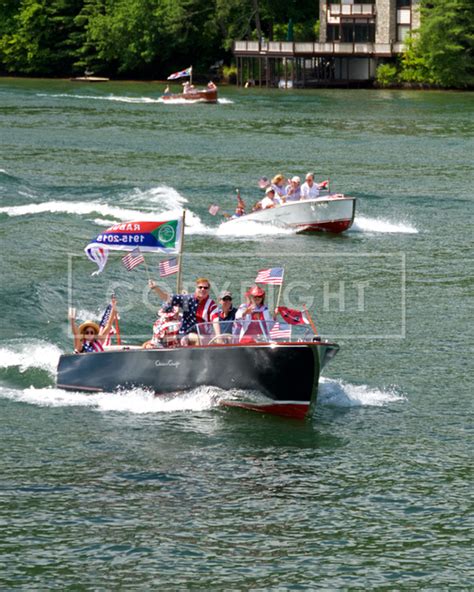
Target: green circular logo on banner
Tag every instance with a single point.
(166, 234)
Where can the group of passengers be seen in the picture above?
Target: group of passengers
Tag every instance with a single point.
(178, 317)
(280, 190)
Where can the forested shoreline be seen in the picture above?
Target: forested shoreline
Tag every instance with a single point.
(148, 39)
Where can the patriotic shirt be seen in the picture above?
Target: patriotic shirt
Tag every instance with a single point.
(194, 311)
(89, 347)
(165, 332)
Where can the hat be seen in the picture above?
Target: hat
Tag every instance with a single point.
(167, 308)
(295, 179)
(257, 291)
(86, 324)
(268, 189)
(225, 293)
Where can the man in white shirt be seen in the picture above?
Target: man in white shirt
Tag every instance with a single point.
(309, 189)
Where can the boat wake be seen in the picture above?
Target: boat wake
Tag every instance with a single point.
(375, 225)
(28, 355)
(115, 98)
(249, 229)
(337, 393)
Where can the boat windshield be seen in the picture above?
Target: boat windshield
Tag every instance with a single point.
(243, 332)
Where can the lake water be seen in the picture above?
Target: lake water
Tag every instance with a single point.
(125, 491)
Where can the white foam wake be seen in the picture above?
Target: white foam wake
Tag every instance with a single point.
(363, 224)
(111, 97)
(338, 393)
(250, 229)
(136, 401)
(30, 354)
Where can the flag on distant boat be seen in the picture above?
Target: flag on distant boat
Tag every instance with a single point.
(280, 331)
(150, 236)
(292, 316)
(213, 209)
(168, 267)
(181, 74)
(133, 259)
(274, 276)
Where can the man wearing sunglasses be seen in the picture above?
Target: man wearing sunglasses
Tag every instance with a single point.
(226, 312)
(197, 308)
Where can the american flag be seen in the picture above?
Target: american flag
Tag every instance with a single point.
(213, 209)
(280, 331)
(181, 73)
(168, 267)
(104, 321)
(133, 259)
(274, 276)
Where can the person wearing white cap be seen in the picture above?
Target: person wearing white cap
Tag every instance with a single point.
(269, 201)
(309, 189)
(293, 189)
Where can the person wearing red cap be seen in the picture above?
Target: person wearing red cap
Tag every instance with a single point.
(251, 312)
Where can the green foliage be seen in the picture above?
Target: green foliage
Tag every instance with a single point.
(386, 75)
(441, 52)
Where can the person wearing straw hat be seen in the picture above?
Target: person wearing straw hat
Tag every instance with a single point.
(89, 337)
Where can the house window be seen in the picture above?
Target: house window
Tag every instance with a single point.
(402, 32)
(403, 3)
(332, 33)
(357, 31)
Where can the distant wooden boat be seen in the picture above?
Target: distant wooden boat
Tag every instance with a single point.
(204, 95)
(89, 79)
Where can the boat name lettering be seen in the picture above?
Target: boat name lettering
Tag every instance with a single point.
(167, 363)
(126, 227)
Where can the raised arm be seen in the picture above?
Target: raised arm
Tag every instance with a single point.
(161, 293)
(74, 329)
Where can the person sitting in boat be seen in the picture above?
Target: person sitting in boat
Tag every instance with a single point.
(293, 189)
(89, 337)
(239, 210)
(309, 189)
(226, 312)
(196, 308)
(269, 201)
(166, 327)
(279, 186)
(211, 86)
(250, 313)
(167, 90)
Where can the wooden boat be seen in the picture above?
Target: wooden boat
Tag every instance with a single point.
(283, 370)
(199, 95)
(324, 214)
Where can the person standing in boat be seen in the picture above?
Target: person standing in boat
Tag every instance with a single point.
(196, 308)
(89, 337)
(250, 313)
(226, 312)
(239, 210)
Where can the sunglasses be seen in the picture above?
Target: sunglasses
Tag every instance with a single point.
(227, 299)
(90, 332)
(203, 287)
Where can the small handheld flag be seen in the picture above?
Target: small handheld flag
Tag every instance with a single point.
(280, 331)
(213, 209)
(292, 316)
(133, 259)
(168, 267)
(274, 276)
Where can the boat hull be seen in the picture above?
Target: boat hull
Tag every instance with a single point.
(203, 96)
(313, 215)
(286, 374)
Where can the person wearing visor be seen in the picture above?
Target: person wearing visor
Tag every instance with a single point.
(226, 312)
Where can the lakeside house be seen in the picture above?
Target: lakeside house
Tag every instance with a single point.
(354, 39)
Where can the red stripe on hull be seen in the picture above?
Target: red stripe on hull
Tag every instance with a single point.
(336, 226)
(284, 409)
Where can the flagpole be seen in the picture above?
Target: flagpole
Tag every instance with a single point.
(181, 245)
(191, 76)
(146, 267)
(313, 326)
(279, 295)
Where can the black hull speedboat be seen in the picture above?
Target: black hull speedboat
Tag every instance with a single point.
(286, 374)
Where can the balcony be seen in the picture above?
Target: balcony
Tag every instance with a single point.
(352, 10)
(289, 49)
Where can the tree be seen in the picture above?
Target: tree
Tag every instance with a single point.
(441, 51)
